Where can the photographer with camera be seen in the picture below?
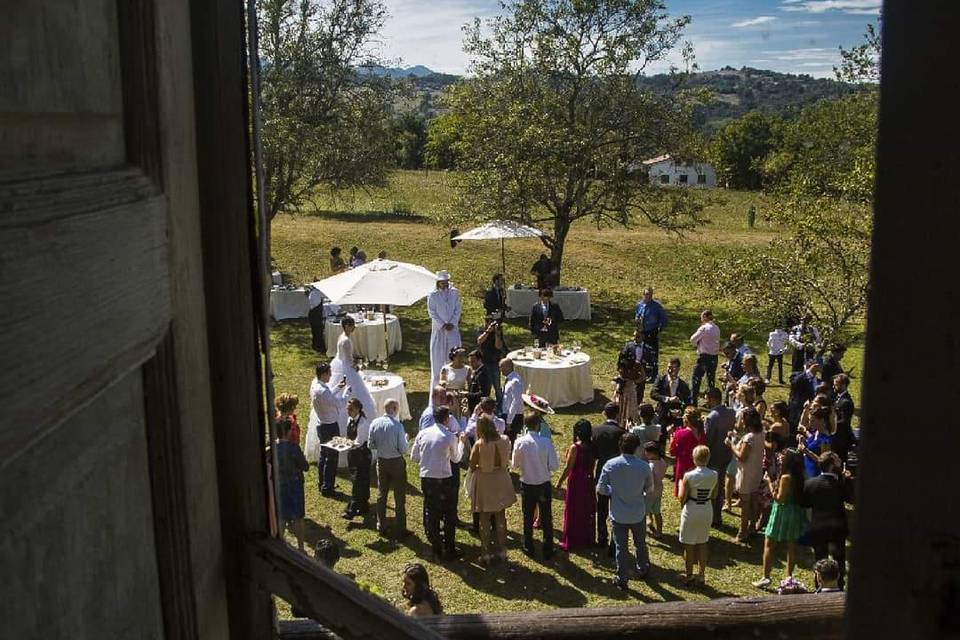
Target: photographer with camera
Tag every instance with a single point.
(492, 349)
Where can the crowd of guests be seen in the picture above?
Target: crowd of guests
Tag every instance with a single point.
(482, 439)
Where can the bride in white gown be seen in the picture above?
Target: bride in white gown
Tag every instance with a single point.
(342, 365)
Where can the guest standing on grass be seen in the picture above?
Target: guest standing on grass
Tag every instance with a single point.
(672, 394)
(605, 444)
(493, 491)
(359, 460)
(286, 404)
(749, 454)
(787, 518)
(697, 491)
(580, 499)
(436, 450)
(291, 466)
(512, 405)
(706, 340)
(843, 438)
(389, 441)
(777, 343)
(492, 349)
(658, 469)
(825, 496)
(684, 441)
(648, 429)
(814, 435)
(443, 306)
(627, 480)
(545, 319)
(652, 318)
(327, 403)
(535, 457)
(717, 426)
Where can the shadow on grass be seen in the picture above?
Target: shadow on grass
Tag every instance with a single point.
(368, 215)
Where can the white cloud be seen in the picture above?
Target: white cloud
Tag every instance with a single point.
(753, 21)
(862, 7)
(813, 54)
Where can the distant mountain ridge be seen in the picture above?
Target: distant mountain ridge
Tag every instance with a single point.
(735, 91)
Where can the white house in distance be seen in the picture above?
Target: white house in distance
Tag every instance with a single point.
(668, 170)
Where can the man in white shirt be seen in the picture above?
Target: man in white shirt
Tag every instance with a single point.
(327, 403)
(706, 339)
(535, 457)
(804, 339)
(443, 305)
(777, 343)
(436, 449)
(512, 399)
(389, 441)
(486, 407)
(437, 397)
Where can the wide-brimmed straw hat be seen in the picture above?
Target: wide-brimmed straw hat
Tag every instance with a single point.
(443, 276)
(537, 403)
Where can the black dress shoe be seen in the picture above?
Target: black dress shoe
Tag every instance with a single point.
(623, 585)
(348, 515)
(529, 553)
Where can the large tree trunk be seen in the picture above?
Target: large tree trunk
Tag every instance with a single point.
(561, 227)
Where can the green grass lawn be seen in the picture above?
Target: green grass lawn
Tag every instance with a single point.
(614, 264)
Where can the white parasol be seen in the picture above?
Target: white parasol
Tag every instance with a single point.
(380, 282)
(500, 230)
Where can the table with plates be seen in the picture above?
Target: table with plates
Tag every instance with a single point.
(385, 386)
(367, 338)
(288, 304)
(575, 303)
(564, 379)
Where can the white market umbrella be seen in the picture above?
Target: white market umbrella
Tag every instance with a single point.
(500, 230)
(383, 282)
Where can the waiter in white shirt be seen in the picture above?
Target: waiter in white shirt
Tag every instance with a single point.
(327, 403)
(435, 449)
(512, 399)
(443, 305)
(707, 341)
(535, 457)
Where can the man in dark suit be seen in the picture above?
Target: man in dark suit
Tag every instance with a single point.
(545, 319)
(803, 385)
(604, 445)
(671, 395)
(640, 357)
(825, 496)
(480, 382)
(495, 299)
(843, 404)
(719, 422)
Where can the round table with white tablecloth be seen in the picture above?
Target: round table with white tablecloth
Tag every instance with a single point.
(563, 380)
(391, 387)
(367, 339)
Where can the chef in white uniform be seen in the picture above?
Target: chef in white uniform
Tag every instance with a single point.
(443, 305)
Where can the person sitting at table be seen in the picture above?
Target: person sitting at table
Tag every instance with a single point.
(455, 375)
(480, 382)
(542, 269)
(342, 367)
(495, 299)
(337, 264)
(545, 319)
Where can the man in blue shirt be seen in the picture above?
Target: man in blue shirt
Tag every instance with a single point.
(627, 480)
(652, 318)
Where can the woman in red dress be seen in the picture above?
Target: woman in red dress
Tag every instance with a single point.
(580, 501)
(685, 439)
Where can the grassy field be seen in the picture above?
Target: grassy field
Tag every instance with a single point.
(614, 264)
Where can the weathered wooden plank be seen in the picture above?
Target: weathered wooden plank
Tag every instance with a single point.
(327, 596)
(783, 617)
(106, 264)
(905, 561)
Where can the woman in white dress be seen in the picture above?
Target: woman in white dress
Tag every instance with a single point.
(455, 375)
(697, 490)
(342, 367)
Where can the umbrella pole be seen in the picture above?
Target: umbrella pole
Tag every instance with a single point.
(386, 339)
(503, 259)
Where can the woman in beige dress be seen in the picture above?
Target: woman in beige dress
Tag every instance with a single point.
(493, 491)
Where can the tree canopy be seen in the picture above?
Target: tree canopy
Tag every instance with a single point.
(324, 124)
(552, 125)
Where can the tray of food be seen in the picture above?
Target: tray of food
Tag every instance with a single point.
(339, 443)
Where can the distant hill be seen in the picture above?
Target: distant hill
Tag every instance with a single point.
(735, 91)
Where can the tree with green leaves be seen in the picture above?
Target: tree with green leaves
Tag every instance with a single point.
(553, 127)
(443, 135)
(325, 124)
(820, 181)
(740, 148)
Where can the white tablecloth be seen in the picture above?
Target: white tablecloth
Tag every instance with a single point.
(367, 338)
(563, 383)
(286, 304)
(394, 389)
(574, 304)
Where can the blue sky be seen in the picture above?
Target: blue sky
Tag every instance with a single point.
(793, 36)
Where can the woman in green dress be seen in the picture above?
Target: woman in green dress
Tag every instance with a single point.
(787, 517)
